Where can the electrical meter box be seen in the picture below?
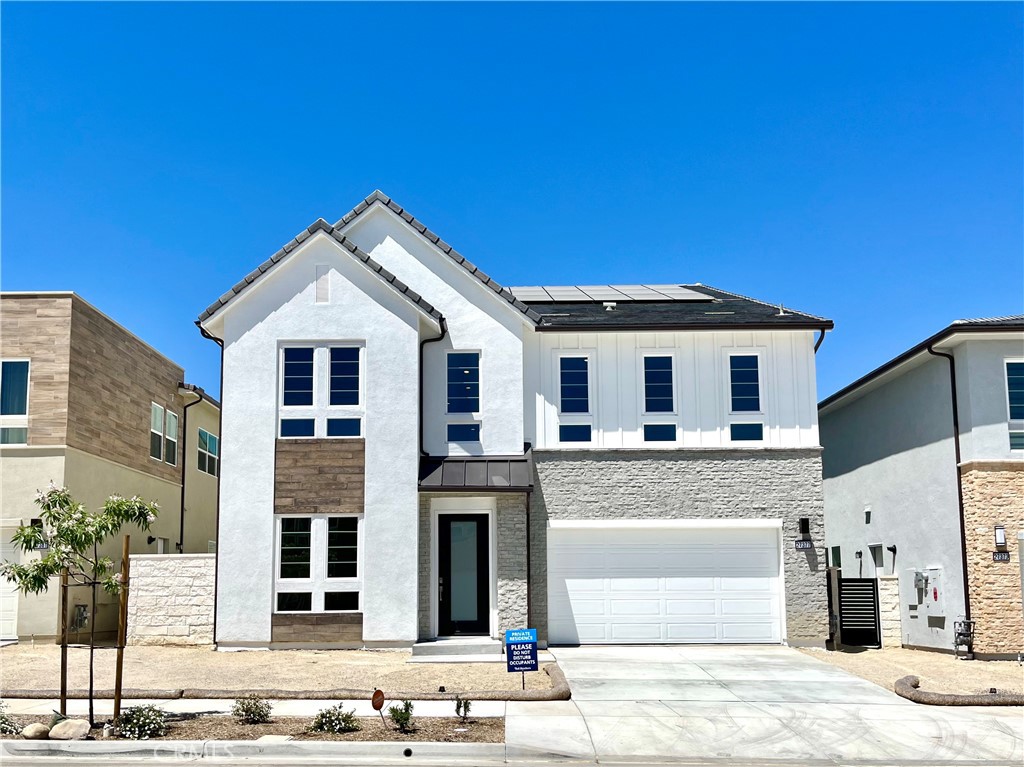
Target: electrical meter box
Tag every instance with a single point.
(920, 580)
(934, 594)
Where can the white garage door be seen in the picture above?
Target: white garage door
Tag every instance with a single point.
(643, 585)
(8, 593)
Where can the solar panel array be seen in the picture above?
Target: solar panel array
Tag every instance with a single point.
(565, 293)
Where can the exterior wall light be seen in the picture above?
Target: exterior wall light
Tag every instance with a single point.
(805, 528)
(1000, 537)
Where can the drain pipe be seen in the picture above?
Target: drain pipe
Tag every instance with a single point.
(184, 458)
(220, 433)
(424, 342)
(959, 477)
(821, 337)
(529, 573)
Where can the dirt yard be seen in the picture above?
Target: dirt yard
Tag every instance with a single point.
(939, 672)
(173, 668)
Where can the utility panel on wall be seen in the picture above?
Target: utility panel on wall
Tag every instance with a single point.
(934, 594)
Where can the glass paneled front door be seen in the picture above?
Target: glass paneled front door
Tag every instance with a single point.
(463, 583)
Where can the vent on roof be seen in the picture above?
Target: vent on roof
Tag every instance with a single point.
(323, 285)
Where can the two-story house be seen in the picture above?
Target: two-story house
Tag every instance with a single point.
(924, 485)
(412, 451)
(86, 404)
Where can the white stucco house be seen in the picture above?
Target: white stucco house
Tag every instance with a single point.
(412, 451)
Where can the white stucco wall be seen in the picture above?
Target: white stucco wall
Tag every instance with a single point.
(701, 384)
(478, 320)
(281, 308)
(170, 599)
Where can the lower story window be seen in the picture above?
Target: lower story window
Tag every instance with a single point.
(13, 435)
(746, 432)
(1017, 440)
(319, 567)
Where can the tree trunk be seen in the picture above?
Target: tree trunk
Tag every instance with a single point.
(92, 636)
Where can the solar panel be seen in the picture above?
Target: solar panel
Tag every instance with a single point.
(594, 293)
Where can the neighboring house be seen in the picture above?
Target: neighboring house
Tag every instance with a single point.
(924, 483)
(413, 451)
(87, 405)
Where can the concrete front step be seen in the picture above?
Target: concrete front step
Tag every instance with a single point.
(458, 646)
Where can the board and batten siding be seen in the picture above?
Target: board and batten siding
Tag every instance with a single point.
(700, 382)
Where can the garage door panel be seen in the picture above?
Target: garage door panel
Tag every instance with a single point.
(663, 585)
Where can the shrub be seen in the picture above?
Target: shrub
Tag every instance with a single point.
(142, 722)
(7, 725)
(462, 707)
(251, 709)
(402, 716)
(335, 719)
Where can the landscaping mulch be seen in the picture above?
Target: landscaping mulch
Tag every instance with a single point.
(219, 727)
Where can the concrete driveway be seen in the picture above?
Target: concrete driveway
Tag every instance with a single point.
(746, 703)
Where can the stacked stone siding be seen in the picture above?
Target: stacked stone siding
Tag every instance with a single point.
(511, 546)
(994, 495)
(692, 484)
(319, 476)
(170, 601)
(889, 611)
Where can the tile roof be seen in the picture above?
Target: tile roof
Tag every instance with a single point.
(322, 226)
(716, 309)
(379, 198)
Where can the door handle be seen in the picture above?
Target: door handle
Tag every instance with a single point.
(440, 589)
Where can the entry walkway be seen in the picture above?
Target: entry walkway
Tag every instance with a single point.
(746, 703)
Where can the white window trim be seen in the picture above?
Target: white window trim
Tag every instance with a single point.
(642, 381)
(318, 583)
(1012, 425)
(744, 415)
(475, 415)
(207, 453)
(19, 421)
(163, 422)
(321, 409)
(177, 429)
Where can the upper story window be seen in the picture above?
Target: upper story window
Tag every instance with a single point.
(463, 382)
(1015, 402)
(209, 452)
(321, 391)
(574, 384)
(14, 402)
(658, 394)
(744, 384)
(163, 434)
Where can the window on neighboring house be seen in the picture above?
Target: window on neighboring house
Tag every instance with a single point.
(318, 563)
(321, 391)
(658, 395)
(1015, 403)
(171, 439)
(14, 402)
(744, 383)
(574, 384)
(156, 431)
(463, 382)
(209, 452)
(837, 556)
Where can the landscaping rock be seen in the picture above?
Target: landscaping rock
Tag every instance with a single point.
(35, 731)
(70, 729)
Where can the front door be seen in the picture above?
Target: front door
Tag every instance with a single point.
(463, 582)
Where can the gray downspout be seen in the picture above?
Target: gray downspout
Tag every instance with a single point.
(184, 458)
(959, 478)
(424, 342)
(220, 433)
(529, 573)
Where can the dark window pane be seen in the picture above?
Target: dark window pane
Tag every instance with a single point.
(574, 385)
(297, 427)
(1015, 385)
(342, 524)
(1017, 440)
(464, 360)
(463, 432)
(659, 432)
(298, 376)
(13, 435)
(341, 600)
(14, 388)
(746, 432)
(574, 433)
(156, 444)
(464, 382)
(170, 452)
(297, 602)
(342, 547)
(345, 376)
(343, 427)
(573, 363)
(743, 362)
(341, 570)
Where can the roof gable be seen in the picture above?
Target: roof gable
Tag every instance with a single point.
(348, 246)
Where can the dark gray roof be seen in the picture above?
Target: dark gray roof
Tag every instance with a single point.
(322, 226)
(494, 473)
(719, 309)
(379, 198)
(1012, 323)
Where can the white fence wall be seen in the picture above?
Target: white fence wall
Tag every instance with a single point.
(170, 599)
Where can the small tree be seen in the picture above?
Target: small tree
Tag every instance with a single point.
(69, 538)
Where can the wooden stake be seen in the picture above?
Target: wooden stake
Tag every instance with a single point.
(122, 627)
(64, 642)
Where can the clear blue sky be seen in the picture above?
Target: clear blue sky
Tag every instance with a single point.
(858, 161)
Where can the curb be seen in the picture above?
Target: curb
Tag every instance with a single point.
(559, 691)
(441, 753)
(908, 687)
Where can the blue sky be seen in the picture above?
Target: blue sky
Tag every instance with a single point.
(857, 161)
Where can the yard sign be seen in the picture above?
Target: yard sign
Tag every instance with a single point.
(521, 651)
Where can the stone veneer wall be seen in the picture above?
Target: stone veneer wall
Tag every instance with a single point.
(692, 484)
(170, 599)
(511, 524)
(994, 495)
(889, 611)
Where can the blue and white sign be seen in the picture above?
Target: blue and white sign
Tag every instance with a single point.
(521, 650)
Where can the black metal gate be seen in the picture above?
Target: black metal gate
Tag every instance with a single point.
(858, 613)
